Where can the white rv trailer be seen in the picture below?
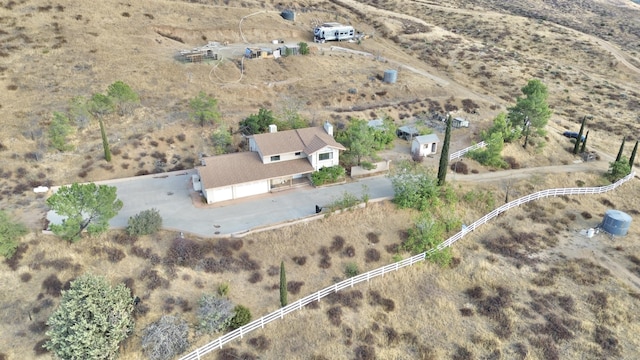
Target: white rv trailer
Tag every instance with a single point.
(333, 31)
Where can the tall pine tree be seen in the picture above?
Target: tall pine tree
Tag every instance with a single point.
(576, 147)
(444, 155)
(633, 155)
(620, 151)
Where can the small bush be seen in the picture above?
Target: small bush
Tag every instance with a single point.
(241, 317)
(165, 338)
(300, 260)
(52, 286)
(351, 270)
(144, 223)
(349, 251)
(214, 313)
(255, 277)
(25, 277)
(372, 255)
(373, 238)
(335, 315)
(294, 287)
(337, 244)
(460, 167)
(259, 343)
(223, 289)
(10, 233)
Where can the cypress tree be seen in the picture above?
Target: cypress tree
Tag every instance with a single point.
(576, 147)
(283, 286)
(444, 155)
(620, 151)
(633, 156)
(105, 141)
(584, 143)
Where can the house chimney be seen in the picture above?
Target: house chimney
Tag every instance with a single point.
(328, 128)
(273, 128)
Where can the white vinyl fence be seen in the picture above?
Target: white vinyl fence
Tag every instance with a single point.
(460, 153)
(297, 305)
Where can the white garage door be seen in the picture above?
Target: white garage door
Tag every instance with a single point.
(221, 194)
(250, 189)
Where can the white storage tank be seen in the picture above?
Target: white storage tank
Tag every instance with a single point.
(616, 222)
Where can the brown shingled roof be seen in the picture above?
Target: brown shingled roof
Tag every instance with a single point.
(243, 167)
(308, 140)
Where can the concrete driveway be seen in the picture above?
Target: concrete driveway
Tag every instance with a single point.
(171, 195)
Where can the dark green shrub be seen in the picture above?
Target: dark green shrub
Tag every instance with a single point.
(242, 317)
(144, 223)
(10, 232)
(327, 175)
(351, 270)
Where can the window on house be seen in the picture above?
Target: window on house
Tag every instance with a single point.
(275, 158)
(298, 153)
(326, 156)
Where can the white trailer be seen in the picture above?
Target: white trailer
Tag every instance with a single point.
(333, 31)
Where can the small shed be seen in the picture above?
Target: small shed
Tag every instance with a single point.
(407, 132)
(459, 123)
(425, 145)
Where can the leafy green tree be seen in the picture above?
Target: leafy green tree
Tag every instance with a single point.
(576, 147)
(204, 109)
(146, 222)
(444, 154)
(359, 140)
(59, 130)
(10, 232)
(490, 154)
(618, 169)
(584, 143)
(100, 105)
(385, 135)
(166, 338)
(533, 108)
(414, 187)
(632, 159)
(214, 313)
(241, 317)
(221, 140)
(502, 125)
(257, 123)
(620, 151)
(304, 48)
(84, 207)
(288, 112)
(426, 233)
(124, 98)
(93, 318)
(283, 286)
(79, 111)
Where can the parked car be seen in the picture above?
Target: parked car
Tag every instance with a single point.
(572, 135)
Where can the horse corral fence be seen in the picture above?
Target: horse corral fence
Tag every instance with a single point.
(299, 304)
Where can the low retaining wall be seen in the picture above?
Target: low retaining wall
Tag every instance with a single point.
(381, 167)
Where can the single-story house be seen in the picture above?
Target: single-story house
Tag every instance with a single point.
(407, 132)
(424, 145)
(276, 158)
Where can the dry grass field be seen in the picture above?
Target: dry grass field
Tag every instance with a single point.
(527, 286)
